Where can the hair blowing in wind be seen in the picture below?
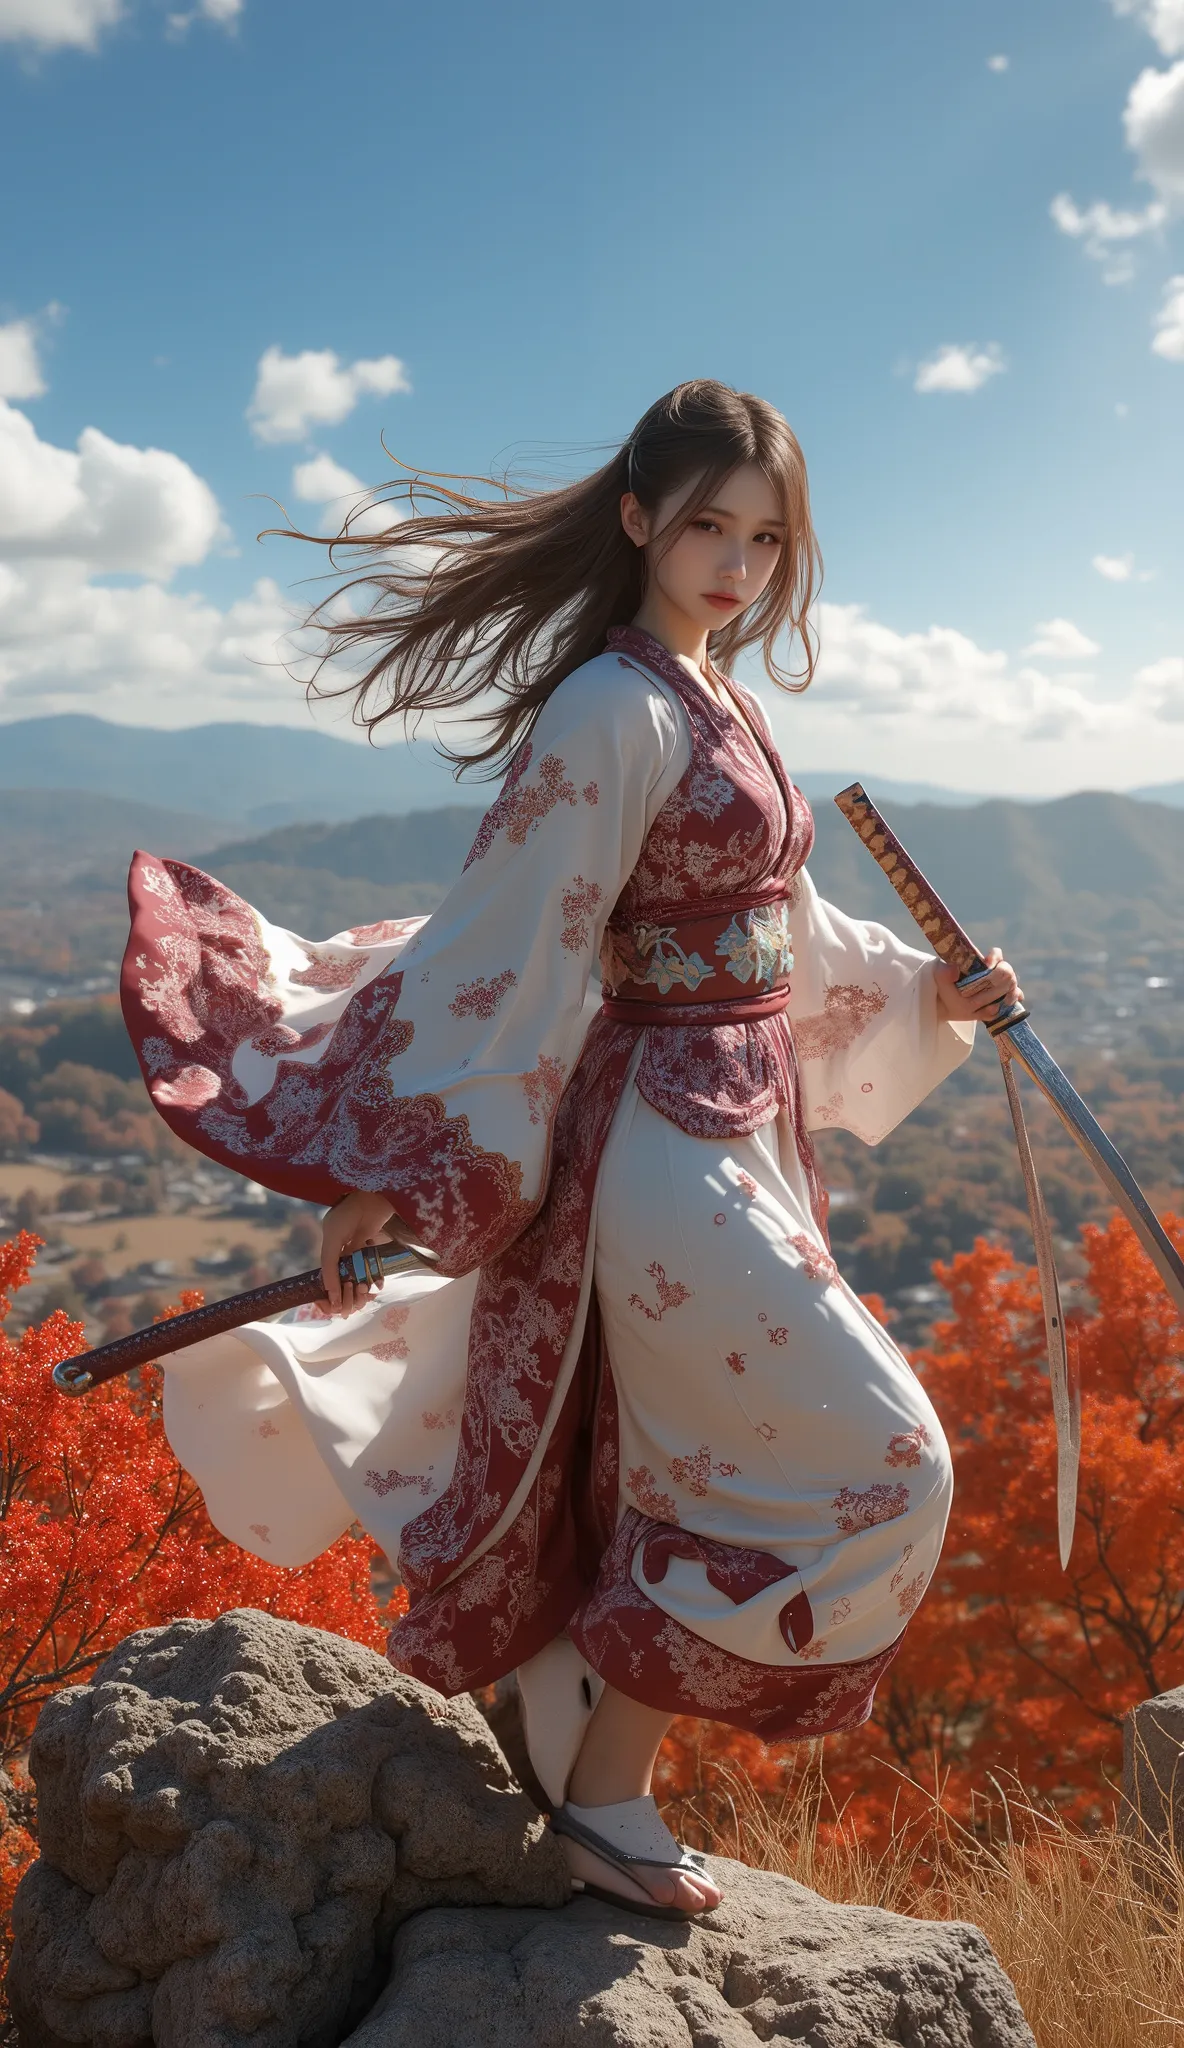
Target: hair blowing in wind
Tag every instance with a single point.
(494, 600)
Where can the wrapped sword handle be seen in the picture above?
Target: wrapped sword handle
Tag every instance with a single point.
(919, 897)
(922, 902)
(368, 1267)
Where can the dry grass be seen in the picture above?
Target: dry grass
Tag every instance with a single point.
(1090, 1927)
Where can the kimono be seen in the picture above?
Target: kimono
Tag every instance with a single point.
(635, 1404)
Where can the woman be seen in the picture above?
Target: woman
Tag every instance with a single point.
(633, 1435)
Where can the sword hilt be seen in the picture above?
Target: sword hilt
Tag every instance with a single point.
(920, 898)
(366, 1268)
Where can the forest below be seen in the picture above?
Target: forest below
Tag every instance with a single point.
(1083, 892)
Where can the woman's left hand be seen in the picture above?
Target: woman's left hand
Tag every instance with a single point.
(975, 1005)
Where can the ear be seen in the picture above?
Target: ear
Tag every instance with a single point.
(635, 520)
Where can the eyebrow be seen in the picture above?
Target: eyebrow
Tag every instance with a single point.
(776, 520)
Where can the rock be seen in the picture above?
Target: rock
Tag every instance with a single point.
(774, 1963)
(235, 1817)
(255, 1835)
(1153, 1767)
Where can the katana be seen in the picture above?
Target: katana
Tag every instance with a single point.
(1017, 1042)
(367, 1268)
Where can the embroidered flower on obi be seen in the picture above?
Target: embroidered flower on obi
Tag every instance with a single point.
(758, 944)
(667, 962)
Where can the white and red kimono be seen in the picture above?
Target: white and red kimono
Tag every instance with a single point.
(638, 1403)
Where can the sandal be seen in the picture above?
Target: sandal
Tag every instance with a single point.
(626, 1834)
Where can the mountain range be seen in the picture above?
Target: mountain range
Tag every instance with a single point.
(254, 777)
(1071, 873)
(1084, 873)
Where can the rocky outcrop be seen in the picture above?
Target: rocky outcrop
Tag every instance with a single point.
(255, 1835)
(774, 1963)
(234, 1818)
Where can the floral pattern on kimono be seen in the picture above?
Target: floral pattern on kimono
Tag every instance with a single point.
(453, 1063)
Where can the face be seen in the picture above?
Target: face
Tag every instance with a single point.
(718, 564)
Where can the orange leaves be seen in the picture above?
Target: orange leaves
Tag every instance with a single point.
(1011, 1665)
(16, 1263)
(101, 1532)
(1015, 1664)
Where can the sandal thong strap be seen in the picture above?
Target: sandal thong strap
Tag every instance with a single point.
(629, 1832)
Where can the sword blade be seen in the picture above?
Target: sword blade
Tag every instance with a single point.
(1103, 1155)
(1063, 1373)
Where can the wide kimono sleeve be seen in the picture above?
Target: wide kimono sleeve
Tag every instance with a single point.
(871, 1038)
(420, 1058)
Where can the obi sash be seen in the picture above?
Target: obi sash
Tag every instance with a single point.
(734, 956)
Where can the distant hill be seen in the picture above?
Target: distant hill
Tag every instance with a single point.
(1161, 793)
(59, 835)
(1083, 873)
(259, 776)
(1050, 876)
(1073, 874)
(253, 776)
(320, 878)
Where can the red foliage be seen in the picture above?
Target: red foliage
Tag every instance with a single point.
(1010, 1666)
(102, 1532)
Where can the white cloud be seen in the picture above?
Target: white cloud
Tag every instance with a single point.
(998, 63)
(1061, 640)
(1160, 689)
(69, 517)
(1154, 123)
(293, 392)
(1169, 322)
(343, 496)
(940, 677)
(1163, 19)
(57, 24)
(959, 368)
(1121, 569)
(1105, 229)
(20, 371)
(322, 480)
(145, 654)
(112, 507)
(223, 13)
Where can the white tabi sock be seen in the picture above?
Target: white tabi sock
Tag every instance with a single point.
(558, 1691)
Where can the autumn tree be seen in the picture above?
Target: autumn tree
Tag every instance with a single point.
(102, 1532)
(1011, 1667)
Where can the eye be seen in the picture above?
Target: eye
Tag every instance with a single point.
(705, 525)
(772, 539)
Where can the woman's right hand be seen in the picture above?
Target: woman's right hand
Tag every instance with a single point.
(358, 1219)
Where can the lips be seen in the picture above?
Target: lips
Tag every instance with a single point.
(721, 601)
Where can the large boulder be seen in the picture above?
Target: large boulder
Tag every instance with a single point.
(255, 1835)
(774, 1963)
(234, 1818)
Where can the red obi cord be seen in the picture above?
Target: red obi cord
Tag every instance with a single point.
(725, 963)
(721, 1009)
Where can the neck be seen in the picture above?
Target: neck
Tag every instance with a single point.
(678, 634)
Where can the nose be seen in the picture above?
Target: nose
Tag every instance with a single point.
(734, 569)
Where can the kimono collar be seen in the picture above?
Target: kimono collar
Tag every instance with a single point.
(633, 640)
(799, 819)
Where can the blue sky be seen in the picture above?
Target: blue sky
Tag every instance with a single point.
(526, 222)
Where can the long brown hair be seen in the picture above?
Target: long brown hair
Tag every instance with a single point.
(506, 596)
